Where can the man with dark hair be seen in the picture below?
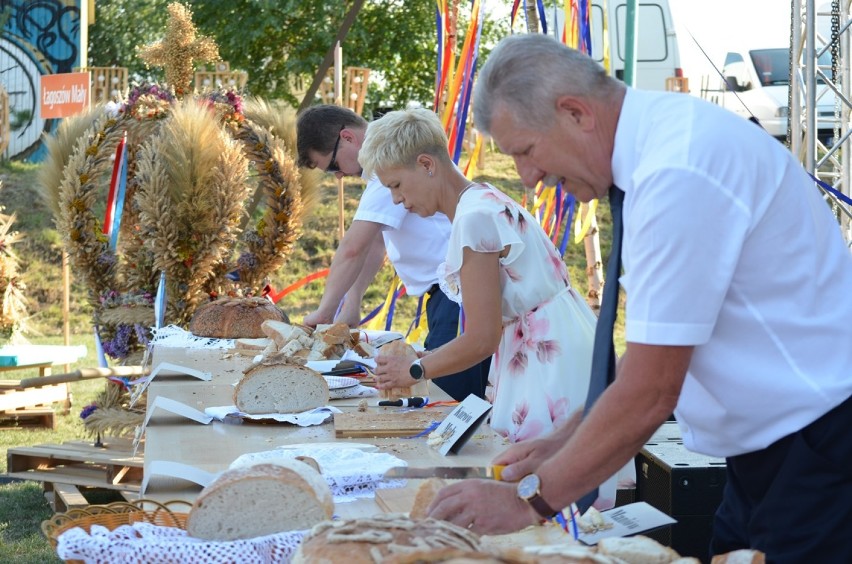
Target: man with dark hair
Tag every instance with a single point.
(329, 138)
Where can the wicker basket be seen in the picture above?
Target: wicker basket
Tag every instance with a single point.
(116, 514)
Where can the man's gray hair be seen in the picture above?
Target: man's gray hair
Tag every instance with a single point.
(528, 73)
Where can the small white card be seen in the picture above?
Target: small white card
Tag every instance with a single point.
(626, 520)
(165, 369)
(455, 430)
(177, 470)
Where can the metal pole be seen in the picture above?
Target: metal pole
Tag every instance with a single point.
(796, 104)
(631, 36)
(810, 87)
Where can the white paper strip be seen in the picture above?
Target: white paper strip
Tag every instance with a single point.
(165, 369)
(177, 470)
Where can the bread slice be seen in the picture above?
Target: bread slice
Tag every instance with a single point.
(364, 350)
(278, 384)
(637, 550)
(260, 500)
(252, 344)
(334, 334)
(742, 556)
(423, 498)
(278, 331)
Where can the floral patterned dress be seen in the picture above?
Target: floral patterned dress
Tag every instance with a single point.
(540, 373)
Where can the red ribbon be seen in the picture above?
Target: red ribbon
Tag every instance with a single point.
(295, 285)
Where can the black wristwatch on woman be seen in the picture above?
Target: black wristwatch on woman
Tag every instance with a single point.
(416, 370)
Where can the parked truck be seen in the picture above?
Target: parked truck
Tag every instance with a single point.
(756, 83)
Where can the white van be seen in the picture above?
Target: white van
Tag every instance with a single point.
(658, 57)
(757, 84)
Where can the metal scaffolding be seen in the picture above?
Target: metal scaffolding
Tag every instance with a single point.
(814, 33)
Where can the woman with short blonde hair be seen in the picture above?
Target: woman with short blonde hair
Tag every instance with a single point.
(501, 266)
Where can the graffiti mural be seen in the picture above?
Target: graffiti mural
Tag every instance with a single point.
(38, 37)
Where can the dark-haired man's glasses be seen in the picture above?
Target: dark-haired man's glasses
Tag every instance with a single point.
(332, 164)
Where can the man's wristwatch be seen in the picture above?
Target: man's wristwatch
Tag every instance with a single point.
(529, 489)
(416, 370)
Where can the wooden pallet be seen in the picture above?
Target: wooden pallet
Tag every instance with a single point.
(28, 417)
(14, 399)
(78, 463)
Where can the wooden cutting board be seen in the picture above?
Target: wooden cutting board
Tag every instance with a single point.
(365, 424)
(398, 500)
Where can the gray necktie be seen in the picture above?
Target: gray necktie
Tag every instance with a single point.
(603, 352)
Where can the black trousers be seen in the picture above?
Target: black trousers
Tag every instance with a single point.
(442, 318)
(793, 499)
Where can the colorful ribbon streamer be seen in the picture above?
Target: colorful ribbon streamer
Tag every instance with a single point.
(275, 296)
(113, 185)
(160, 301)
(119, 197)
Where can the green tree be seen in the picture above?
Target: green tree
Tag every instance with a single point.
(120, 26)
(281, 41)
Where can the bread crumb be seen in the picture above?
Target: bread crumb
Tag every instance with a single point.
(362, 405)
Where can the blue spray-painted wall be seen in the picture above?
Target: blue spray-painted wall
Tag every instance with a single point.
(39, 37)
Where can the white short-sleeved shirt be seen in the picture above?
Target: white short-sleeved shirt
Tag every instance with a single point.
(415, 245)
(730, 248)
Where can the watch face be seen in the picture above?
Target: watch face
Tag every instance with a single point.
(415, 370)
(528, 486)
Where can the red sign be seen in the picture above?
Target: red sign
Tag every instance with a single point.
(64, 95)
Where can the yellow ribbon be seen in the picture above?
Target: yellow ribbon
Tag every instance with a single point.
(584, 220)
(378, 322)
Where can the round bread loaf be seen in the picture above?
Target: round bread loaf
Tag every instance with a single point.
(380, 538)
(280, 384)
(260, 500)
(234, 318)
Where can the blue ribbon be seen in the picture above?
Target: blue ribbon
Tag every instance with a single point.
(571, 202)
(99, 350)
(440, 46)
(542, 17)
(828, 188)
(426, 431)
(160, 301)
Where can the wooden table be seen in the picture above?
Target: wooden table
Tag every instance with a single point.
(214, 446)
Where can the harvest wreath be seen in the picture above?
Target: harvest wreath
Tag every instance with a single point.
(191, 171)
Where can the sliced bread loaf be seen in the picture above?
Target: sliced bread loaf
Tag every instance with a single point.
(380, 538)
(260, 500)
(280, 384)
(637, 550)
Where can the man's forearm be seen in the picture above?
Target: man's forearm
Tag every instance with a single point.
(349, 260)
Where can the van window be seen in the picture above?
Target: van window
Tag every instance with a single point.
(773, 66)
(739, 71)
(652, 29)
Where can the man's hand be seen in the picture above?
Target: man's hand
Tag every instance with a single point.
(350, 313)
(524, 458)
(483, 506)
(316, 318)
(392, 372)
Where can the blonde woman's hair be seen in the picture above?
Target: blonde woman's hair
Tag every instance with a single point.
(397, 138)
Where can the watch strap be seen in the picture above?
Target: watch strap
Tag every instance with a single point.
(542, 507)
